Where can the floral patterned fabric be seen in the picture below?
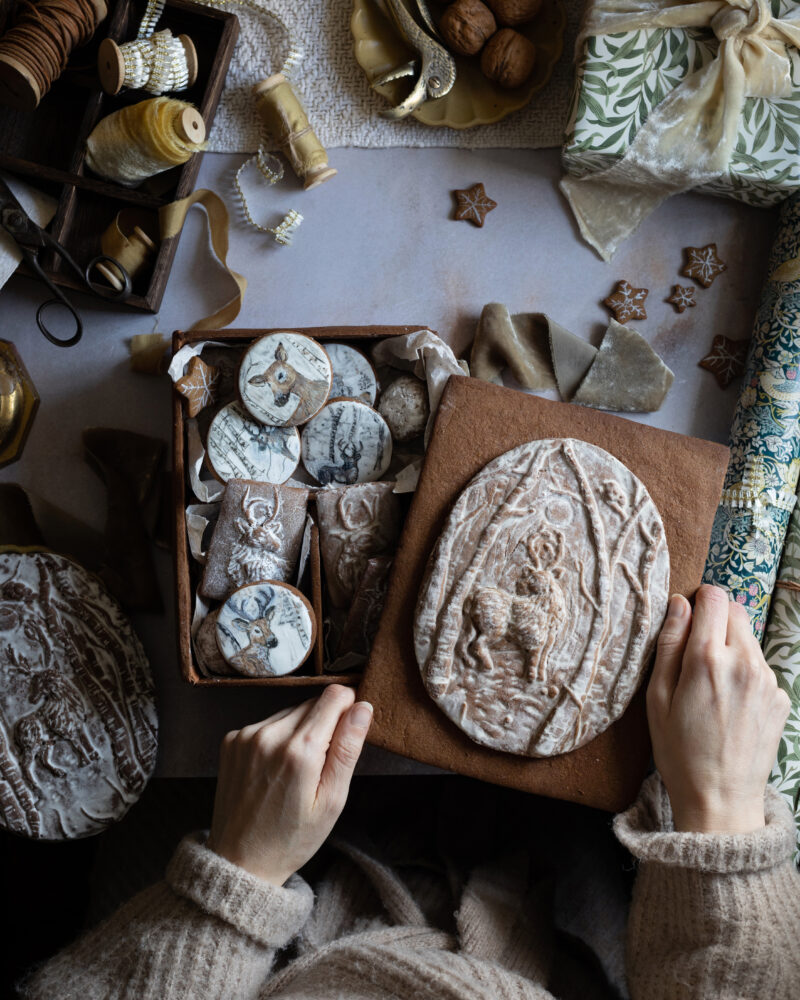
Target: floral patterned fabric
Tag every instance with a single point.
(753, 516)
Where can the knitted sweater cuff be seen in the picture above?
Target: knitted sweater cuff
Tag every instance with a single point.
(268, 914)
(646, 829)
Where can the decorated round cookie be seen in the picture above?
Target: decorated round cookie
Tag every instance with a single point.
(265, 629)
(347, 442)
(353, 374)
(78, 725)
(209, 658)
(239, 447)
(284, 379)
(543, 598)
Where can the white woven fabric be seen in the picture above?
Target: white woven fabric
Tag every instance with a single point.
(341, 106)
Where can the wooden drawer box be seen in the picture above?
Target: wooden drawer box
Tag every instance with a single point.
(187, 570)
(46, 146)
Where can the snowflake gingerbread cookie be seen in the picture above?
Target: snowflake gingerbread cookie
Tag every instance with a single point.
(199, 386)
(682, 298)
(627, 302)
(473, 204)
(726, 359)
(703, 264)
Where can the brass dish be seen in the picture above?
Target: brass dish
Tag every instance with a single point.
(474, 100)
(18, 403)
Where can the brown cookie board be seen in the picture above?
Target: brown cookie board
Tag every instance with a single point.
(684, 477)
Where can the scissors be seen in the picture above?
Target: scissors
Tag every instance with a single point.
(31, 239)
(434, 67)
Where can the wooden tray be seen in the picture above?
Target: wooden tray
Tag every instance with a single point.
(46, 146)
(188, 572)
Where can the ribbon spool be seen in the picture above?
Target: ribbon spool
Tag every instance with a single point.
(285, 119)
(127, 242)
(35, 49)
(159, 64)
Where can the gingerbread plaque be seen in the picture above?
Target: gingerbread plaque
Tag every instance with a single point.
(238, 447)
(347, 442)
(78, 724)
(284, 379)
(543, 598)
(353, 374)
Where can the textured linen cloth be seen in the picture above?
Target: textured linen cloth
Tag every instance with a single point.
(712, 916)
(342, 107)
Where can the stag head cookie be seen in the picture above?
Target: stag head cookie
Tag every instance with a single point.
(78, 725)
(543, 598)
(238, 447)
(353, 374)
(265, 629)
(257, 536)
(356, 523)
(284, 379)
(347, 442)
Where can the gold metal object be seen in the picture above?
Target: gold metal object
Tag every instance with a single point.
(18, 403)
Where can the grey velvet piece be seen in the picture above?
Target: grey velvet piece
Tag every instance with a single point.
(626, 376)
(518, 343)
(572, 357)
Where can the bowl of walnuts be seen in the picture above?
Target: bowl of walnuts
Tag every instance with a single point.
(505, 51)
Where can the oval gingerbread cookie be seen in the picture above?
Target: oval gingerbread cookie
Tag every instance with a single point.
(284, 379)
(238, 447)
(265, 629)
(347, 442)
(353, 374)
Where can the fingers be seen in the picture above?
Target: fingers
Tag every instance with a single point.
(671, 646)
(317, 728)
(710, 625)
(347, 743)
(739, 630)
(289, 717)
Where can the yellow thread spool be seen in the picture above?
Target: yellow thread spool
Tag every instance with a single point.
(285, 120)
(145, 139)
(127, 242)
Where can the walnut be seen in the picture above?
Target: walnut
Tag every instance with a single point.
(508, 58)
(466, 26)
(511, 12)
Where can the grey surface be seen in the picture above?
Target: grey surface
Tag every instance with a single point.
(378, 245)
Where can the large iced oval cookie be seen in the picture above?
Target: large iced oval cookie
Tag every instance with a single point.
(265, 629)
(239, 447)
(284, 379)
(78, 725)
(353, 374)
(543, 598)
(347, 442)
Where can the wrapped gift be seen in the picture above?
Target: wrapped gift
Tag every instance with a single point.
(691, 95)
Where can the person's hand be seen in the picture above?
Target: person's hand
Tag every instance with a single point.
(716, 715)
(283, 783)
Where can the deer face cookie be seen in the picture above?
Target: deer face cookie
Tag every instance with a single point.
(257, 536)
(265, 629)
(543, 598)
(347, 442)
(353, 374)
(284, 379)
(238, 447)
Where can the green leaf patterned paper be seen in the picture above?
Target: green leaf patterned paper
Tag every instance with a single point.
(782, 650)
(759, 493)
(622, 77)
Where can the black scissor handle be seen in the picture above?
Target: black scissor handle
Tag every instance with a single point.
(116, 290)
(63, 301)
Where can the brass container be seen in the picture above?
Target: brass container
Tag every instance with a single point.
(18, 403)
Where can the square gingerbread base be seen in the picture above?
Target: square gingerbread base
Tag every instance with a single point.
(475, 423)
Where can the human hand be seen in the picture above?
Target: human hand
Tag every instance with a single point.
(716, 715)
(283, 783)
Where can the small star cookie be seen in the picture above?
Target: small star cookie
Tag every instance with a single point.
(726, 360)
(682, 297)
(702, 264)
(473, 204)
(199, 385)
(626, 302)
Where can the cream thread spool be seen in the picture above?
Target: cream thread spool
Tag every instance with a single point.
(159, 64)
(285, 120)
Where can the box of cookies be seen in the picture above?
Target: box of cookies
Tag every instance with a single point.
(295, 454)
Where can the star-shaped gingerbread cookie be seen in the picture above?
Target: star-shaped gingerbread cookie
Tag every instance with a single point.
(627, 302)
(199, 385)
(682, 297)
(702, 264)
(726, 360)
(473, 204)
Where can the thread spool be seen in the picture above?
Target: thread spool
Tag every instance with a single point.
(159, 64)
(145, 139)
(35, 49)
(127, 242)
(285, 119)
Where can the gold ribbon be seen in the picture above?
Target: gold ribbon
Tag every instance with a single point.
(688, 139)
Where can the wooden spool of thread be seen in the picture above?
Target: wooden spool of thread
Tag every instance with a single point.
(159, 64)
(285, 120)
(35, 50)
(145, 139)
(127, 242)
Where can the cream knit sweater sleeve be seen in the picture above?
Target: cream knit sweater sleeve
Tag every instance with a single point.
(713, 917)
(210, 930)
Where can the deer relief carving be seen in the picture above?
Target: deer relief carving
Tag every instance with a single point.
(253, 660)
(286, 381)
(57, 717)
(531, 618)
(362, 536)
(346, 472)
(258, 536)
